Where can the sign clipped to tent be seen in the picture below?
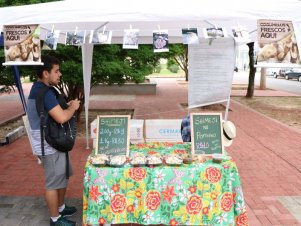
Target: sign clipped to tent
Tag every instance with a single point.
(277, 42)
(22, 45)
(241, 34)
(160, 41)
(130, 39)
(51, 39)
(206, 133)
(100, 37)
(190, 36)
(113, 137)
(75, 38)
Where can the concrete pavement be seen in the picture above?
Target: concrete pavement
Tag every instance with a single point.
(267, 152)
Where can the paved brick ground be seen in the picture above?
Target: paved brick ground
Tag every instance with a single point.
(268, 155)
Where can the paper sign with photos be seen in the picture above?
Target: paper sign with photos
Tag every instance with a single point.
(50, 42)
(219, 32)
(130, 39)
(75, 38)
(100, 37)
(160, 41)
(22, 44)
(277, 43)
(190, 36)
(241, 34)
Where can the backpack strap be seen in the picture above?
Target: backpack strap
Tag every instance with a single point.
(41, 112)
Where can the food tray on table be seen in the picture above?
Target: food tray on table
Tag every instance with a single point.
(117, 161)
(99, 159)
(173, 160)
(138, 160)
(154, 160)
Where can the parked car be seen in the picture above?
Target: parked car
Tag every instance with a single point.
(293, 74)
(272, 72)
(278, 72)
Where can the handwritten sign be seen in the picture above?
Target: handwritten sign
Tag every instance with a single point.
(206, 133)
(113, 137)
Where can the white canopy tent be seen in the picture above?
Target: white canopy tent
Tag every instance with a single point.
(146, 16)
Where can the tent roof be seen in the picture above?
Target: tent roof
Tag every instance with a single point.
(149, 15)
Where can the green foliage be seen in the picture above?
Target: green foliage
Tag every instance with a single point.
(158, 69)
(112, 64)
(178, 53)
(4, 3)
(171, 62)
(172, 65)
(6, 79)
(174, 68)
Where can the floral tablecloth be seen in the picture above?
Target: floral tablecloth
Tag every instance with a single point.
(205, 193)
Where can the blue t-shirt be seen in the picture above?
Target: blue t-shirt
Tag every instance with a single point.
(50, 102)
(185, 129)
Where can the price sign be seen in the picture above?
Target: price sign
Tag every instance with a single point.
(113, 137)
(206, 133)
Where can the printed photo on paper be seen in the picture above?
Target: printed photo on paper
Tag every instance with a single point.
(130, 39)
(22, 44)
(277, 42)
(51, 39)
(160, 41)
(190, 36)
(101, 37)
(241, 34)
(75, 38)
(212, 32)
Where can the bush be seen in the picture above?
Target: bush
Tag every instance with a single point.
(174, 68)
(157, 69)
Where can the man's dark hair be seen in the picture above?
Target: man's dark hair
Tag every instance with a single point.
(48, 61)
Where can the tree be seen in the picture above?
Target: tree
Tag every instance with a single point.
(250, 91)
(5, 3)
(112, 64)
(179, 54)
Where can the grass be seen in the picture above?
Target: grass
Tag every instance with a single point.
(167, 73)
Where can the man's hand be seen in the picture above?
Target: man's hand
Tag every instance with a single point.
(74, 104)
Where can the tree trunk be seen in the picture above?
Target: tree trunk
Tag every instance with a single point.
(250, 91)
(186, 64)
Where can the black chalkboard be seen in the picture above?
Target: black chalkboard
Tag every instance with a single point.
(206, 133)
(113, 137)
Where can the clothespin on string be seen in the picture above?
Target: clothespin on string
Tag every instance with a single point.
(52, 29)
(214, 35)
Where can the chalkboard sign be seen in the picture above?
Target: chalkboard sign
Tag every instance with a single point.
(113, 137)
(206, 133)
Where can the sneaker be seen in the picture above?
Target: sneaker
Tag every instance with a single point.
(62, 222)
(68, 211)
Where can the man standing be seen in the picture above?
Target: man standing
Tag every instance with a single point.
(54, 162)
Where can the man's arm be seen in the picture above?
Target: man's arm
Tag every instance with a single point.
(62, 116)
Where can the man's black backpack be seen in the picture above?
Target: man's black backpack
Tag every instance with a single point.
(59, 136)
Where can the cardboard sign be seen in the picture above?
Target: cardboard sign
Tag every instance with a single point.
(22, 45)
(113, 137)
(206, 133)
